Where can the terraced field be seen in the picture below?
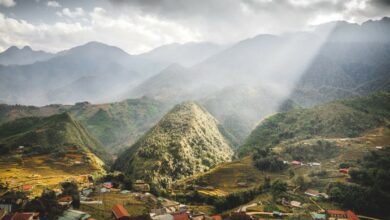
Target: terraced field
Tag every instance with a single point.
(41, 172)
(226, 178)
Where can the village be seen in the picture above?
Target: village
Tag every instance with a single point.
(83, 197)
(111, 196)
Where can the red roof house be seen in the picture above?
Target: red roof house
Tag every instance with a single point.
(336, 213)
(352, 216)
(182, 216)
(27, 187)
(108, 185)
(65, 200)
(119, 212)
(217, 217)
(344, 170)
(296, 162)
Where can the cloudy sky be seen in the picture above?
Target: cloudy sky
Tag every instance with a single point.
(140, 25)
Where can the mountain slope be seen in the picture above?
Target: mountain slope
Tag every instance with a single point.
(23, 56)
(339, 119)
(116, 125)
(186, 141)
(48, 135)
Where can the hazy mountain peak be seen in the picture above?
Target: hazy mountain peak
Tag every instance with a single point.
(11, 48)
(94, 49)
(25, 55)
(27, 48)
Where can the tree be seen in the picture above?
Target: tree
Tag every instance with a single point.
(46, 205)
(278, 187)
(71, 189)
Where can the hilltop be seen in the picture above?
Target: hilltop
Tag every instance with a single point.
(187, 140)
(338, 119)
(50, 135)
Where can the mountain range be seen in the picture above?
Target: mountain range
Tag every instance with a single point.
(305, 68)
(239, 84)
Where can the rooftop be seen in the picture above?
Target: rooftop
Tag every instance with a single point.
(119, 211)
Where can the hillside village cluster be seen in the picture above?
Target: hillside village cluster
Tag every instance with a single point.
(89, 191)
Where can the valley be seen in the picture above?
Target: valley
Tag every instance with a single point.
(292, 126)
(294, 177)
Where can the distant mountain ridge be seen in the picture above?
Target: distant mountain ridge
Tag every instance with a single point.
(95, 72)
(307, 68)
(15, 56)
(187, 140)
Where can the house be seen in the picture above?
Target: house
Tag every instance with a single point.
(141, 186)
(336, 214)
(27, 187)
(182, 216)
(65, 201)
(182, 208)
(72, 214)
(277, 214)
(108, 185)
(163, 217)
(295, 204)
(344, 170)
(318, 216)
(352, 216)
(216, 217)
(296, 163)
(86, 192)
(314, 164)
(119, 212)
(20, 149)
(312, 193)
(242, 184)
(169, 205)
(324, 195)
(198, 216)
(22, 216)
(104, 190)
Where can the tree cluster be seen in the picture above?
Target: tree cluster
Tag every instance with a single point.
(265, 160)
